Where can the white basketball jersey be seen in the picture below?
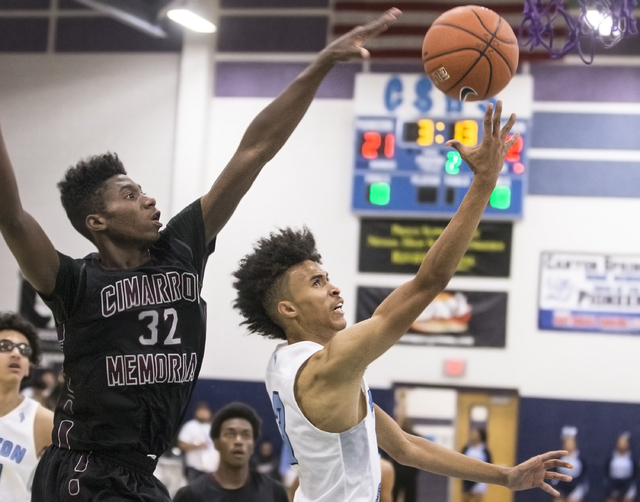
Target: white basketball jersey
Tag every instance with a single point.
(18, 455)
(332, 467)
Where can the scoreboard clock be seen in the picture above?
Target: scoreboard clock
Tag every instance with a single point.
(402, 166)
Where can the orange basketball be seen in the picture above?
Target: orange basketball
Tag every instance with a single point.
(470, 53)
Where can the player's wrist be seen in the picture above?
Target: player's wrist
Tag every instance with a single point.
(485, 180)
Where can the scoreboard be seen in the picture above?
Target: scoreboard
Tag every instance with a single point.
(402, 166)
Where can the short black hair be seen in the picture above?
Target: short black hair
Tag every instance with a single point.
(259, 277)
(15, 322)
(236, 410)
(82, 188)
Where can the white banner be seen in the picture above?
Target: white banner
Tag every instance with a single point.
(589, 292)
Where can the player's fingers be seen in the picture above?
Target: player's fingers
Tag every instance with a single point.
(487, 120)
(454, 143)
(551, 491)
(553, 454)
(512, 140)
(551, 464)
(374, 28)
(497, 117)
(558, 476)
(507, 127)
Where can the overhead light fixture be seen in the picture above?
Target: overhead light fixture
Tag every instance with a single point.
(191, 20)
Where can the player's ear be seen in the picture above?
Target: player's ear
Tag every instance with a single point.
(95, 222)
(286, 309)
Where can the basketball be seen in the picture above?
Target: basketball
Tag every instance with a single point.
(470, 53)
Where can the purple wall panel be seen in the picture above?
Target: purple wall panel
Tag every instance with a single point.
(23, 35)
(584, 178)
(270, 79)
(558, 82)
(108, 35)
(272, 34)
(24, 4)
(298, 4)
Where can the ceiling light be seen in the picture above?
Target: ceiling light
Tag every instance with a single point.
(191, 20)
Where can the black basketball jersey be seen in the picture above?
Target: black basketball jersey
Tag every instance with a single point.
(133, 342)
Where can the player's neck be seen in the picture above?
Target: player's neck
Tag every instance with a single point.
(119, 258)
(302, 335)
(231, 477)
(10, 398)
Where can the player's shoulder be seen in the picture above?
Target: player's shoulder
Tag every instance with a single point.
(267, 483)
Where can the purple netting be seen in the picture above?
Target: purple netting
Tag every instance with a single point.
(600, 23)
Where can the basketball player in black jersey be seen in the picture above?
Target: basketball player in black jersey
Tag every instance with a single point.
(130, 318)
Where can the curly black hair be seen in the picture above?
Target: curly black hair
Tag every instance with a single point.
(261, 277)
(14, 322)
(236, 410)
(82, 188)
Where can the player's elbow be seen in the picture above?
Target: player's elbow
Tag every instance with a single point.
(401, 451)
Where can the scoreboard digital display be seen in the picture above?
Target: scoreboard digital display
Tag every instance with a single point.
(402, 165)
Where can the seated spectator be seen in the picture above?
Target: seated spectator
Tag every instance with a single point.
(234, 431)
(575, 490)
(266, 461)
(621, 472)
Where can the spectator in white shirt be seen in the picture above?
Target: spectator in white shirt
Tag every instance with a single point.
(200, 456)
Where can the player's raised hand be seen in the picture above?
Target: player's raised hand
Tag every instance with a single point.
(533, 472)
(488, 157)
(350, 45)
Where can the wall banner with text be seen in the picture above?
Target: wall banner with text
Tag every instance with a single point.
(398, 246)
(454, 318)
(589, 292)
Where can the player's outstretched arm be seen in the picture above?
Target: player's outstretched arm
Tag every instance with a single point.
(422, 454)
(353, 349)
(31, 247)
(269, 131)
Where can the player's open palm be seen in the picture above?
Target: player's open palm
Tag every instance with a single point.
(487, 158)
(350, 45)
(533, 472)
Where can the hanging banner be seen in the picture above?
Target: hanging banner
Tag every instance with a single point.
(398, 246)
(458, 318)
(589, 292)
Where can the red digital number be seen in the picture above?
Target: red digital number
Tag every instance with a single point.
(513, 155)
(373, 147)
(372, 141)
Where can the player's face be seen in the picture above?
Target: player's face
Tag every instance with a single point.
(235, 443)
(317, 302)
(13, 365)
(130, 215)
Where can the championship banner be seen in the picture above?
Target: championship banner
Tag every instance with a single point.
(589, 292)
(398, 246)
(454, 318)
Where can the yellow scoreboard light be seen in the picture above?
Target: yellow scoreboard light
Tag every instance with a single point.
(423, 132)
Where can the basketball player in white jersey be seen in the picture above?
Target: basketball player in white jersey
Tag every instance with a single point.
(322, 403)
(25, 426)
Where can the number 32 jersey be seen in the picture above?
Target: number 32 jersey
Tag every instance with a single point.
(133, 342)
(332, 467)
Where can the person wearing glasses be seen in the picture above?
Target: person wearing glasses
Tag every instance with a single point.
(25, 425)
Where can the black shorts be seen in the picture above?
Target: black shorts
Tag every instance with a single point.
(93, 476)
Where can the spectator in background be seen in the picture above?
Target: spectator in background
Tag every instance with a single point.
(621, 472)
(234, 431)
(200, 456)
(266, 461)
(476, 448)
(25, 426)
(406, 477)
(575, 490)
